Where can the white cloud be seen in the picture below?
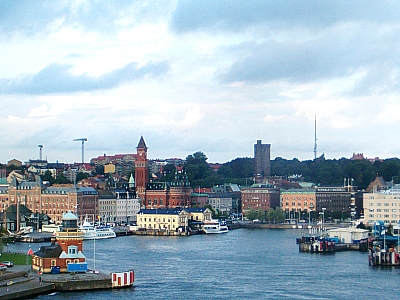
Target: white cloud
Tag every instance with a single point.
(215, 75)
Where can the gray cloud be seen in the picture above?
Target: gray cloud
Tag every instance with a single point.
(336, 53)
(56, 78)
(235, 14)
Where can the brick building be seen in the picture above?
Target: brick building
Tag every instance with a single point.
(260, 197)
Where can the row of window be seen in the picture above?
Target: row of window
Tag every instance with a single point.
(305, 204)
(380, 216)
(379, 210)
(384, 204)
(298, 198)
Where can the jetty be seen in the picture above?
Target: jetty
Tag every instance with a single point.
(18, 282)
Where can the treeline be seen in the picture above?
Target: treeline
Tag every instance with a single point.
(321, 171)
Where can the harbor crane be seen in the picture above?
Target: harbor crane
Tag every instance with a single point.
(83, 140)
(40, 151)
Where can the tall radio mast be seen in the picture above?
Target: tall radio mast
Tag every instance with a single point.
(315, 137)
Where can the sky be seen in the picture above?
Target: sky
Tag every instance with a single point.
(210, 76)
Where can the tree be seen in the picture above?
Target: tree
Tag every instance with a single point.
(81, 176)
(198, 170)
(47, 176)
(168, 173)
(61, 179)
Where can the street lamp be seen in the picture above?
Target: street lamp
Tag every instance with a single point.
(323, 217)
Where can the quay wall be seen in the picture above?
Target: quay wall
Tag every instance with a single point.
(75, 285)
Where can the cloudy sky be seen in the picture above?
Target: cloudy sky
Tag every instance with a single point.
(211, 76)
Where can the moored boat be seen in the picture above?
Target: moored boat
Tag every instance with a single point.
(214, 226)
(90, 232)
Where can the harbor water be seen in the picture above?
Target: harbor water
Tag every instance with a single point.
(241, 264)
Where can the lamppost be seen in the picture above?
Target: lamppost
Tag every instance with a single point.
(323, 218)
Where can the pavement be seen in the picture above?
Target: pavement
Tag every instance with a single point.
(19, 281)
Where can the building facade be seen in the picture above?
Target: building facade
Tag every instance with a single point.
(383, 206)
(171, 219)
(260, 197)
(52, 201)
(67, 249)
(298, 203)
(335, 202)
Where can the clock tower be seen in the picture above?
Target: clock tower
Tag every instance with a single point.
(141, 168)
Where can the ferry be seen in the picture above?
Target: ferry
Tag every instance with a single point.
(214, 226)
(90, 232)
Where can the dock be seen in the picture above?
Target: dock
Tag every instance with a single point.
(18, 282)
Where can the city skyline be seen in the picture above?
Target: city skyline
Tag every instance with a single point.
(210, 76)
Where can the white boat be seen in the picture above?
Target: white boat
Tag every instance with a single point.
(90, 232)
(214, 226)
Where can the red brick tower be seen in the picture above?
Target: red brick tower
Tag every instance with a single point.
(141, 168)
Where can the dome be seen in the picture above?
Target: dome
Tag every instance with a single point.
(69, 216)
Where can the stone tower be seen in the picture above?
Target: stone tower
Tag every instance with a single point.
(262, 161)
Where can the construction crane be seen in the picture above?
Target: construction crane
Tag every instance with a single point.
(83, 140)
(40, 151)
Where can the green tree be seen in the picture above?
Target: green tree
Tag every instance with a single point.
(198, 170)
(168, 173)
(47, 176)
(61, 179)
(81, 176)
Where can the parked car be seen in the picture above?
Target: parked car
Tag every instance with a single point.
(8, 263)
(3, 267)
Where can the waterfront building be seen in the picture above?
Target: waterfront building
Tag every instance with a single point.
(198, 199)
(382, 205)
(233, 192)
(262, 161)
(260, 197)
(127, 205)
(336, 202)
(298, 203)
(50, 200)
(107, 206)
(15, 218)
(168, 194)
(171, 219)
(221, 203)
(65, 249)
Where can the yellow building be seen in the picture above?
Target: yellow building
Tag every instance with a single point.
(382, 205)
(109, 169)
(296, 202)
(171, 219)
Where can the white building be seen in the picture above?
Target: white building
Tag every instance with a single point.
(382, 205)
(127, 207)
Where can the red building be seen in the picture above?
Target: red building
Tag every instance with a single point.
(65, 249)
(159, 194)
(260, 197)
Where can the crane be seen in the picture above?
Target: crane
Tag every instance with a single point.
(83, 140)
(40, 151)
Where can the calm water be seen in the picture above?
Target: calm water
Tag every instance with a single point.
(242, 264)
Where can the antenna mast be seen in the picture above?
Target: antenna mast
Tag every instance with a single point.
(315, 137)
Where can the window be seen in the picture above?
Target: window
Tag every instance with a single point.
(53, 262)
